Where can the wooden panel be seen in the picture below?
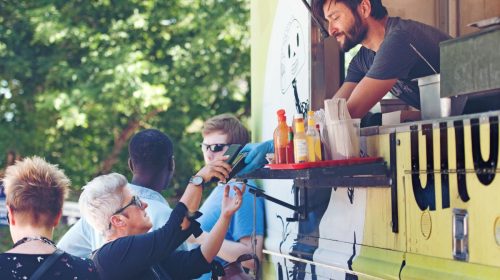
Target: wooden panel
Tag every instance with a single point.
(474, 10)
(423, 11)
(327, 69)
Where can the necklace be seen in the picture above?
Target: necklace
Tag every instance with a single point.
(39, 238)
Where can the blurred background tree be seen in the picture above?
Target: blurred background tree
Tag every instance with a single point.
(79, 78)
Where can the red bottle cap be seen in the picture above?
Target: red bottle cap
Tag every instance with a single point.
(281, 115)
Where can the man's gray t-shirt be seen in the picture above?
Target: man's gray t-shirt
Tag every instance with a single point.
(396, 59)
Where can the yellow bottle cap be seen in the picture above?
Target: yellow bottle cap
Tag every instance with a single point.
(310, 118)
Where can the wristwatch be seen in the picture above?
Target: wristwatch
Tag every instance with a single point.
(197, 181)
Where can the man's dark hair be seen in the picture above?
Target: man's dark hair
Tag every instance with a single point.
(378, 10)
(150, 150)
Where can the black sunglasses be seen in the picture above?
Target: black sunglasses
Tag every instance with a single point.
(135, 201)
(214, 147)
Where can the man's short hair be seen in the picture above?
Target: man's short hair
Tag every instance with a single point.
(378, 10)
(100, 198)
(150, 150)
(36, 190)
(227, 124)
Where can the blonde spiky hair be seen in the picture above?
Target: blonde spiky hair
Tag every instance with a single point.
(36, 190)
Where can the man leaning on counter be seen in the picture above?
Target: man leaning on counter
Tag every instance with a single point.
(388, 59)
(391, 56)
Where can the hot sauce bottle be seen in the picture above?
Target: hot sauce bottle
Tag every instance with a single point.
(313, 142)
(321, 146)
(280, 138)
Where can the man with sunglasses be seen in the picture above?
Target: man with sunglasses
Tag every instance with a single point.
(219, 132)
(151, 161)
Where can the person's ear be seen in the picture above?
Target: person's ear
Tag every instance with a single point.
(57, 219)
(130, 165)
(365, 8)
(10, 216)
(118, 221)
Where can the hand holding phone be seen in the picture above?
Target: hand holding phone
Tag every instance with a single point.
(232, 154)
(238, 164)
(236, 159)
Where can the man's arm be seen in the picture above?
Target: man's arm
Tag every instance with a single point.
(231, 250)
(366, 94)
(345, 90)
(214, 239)
(192, 195)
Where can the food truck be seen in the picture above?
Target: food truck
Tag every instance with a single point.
(424, 202)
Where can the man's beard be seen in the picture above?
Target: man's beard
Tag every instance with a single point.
(355, 35)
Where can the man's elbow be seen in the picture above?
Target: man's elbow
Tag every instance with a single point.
(251, 263)
(357, 113)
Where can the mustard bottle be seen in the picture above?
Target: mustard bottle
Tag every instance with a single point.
(299, 140)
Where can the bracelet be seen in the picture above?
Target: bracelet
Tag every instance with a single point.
(193, 215)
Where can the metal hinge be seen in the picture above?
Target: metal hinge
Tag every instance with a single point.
(460, 234)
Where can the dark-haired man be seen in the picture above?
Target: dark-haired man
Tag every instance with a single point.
(387, 60)
(151, 161)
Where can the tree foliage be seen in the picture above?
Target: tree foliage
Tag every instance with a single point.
(78, 78)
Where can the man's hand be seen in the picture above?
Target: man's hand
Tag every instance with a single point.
(256, 157)
(231, 204)
(218, 168)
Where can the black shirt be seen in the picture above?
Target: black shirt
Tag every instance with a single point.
(22, 266)
(152, 255)
(396, 59)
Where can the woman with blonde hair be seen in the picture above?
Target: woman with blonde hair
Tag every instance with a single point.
(35, 192)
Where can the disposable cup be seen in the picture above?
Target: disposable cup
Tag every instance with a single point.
(343, 138)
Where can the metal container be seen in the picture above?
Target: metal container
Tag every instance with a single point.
(471, 64)
(392, 105)
(430, 103)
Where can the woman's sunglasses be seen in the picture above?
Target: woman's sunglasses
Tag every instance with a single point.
(214, 147)
(135, 201)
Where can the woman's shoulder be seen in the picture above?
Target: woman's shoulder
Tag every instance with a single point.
(66, 257)
(73, 265)
(66, 267)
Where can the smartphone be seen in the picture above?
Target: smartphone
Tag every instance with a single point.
(232, 152)
(236, 159)
(237, 164)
